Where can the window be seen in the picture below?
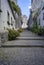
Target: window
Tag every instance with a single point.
(39, 21)
(43, 16)
(8, 18)
(8, 15)
(43, 8)
(11, 21)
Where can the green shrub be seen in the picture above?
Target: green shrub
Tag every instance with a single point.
(12, 34)
(14, 6)
(40, 31)
(35, 29)
(20, 30)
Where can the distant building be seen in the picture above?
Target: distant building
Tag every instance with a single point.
(24, 20)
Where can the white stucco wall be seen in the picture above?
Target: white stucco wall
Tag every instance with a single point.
(5, 7)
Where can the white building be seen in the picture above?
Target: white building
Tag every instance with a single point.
(24, 20)
(7, 19)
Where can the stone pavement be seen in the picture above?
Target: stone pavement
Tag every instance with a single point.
(27, 33)
(22, 56)
(23, 51)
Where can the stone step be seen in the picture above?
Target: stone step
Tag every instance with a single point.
(24, 43)
(30, 38)
(6, 46)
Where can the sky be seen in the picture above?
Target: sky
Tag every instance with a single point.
(25, 5)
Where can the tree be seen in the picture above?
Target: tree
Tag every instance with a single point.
(15, 7)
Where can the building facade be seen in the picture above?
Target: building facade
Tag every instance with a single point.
(7, 18)
(37, 9)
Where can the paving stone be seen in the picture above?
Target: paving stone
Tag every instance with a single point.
(23, 56)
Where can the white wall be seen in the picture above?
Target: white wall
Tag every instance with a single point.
(5, 7)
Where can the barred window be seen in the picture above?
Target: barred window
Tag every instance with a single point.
(43, 8)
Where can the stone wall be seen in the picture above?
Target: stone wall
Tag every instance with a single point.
(3, 37)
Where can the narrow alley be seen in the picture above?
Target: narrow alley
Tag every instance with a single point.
(21, 32)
